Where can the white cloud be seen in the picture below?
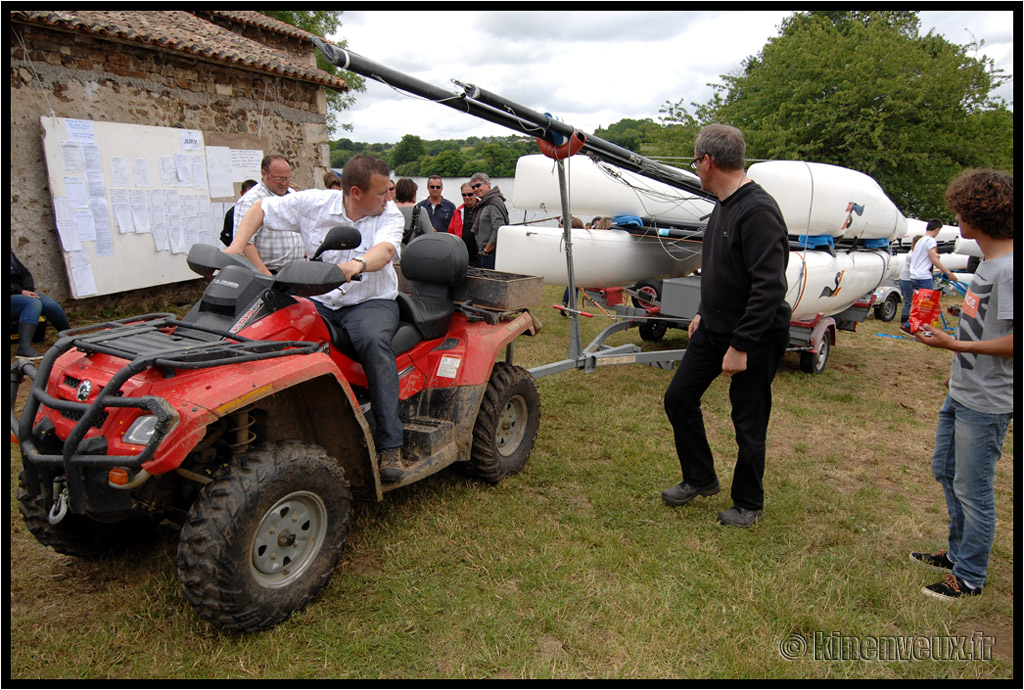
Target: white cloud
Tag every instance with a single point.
(589, 68)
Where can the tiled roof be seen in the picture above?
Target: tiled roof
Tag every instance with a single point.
(185, 33)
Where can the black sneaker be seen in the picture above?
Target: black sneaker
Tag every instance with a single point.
(683, 493)
(951, 587)
(939, 561)
(740, 517)
(905, 330)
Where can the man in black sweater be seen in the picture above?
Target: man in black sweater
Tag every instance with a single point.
(741, 328)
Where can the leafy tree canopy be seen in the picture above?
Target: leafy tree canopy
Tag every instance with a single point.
(628, 133)
(866, 91)
(324, 23)
(413, 156)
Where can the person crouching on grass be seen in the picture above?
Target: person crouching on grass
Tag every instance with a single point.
(979, 406)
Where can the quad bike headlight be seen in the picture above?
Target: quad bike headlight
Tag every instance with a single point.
(141, 430)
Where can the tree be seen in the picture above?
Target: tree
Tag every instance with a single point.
(627, 133)
(866, 91)
(448, 163)
(409, 149)
(324, 23)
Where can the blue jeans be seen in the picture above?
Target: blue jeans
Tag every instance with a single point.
(28, 309)
(370, 326)
(487, 260)
(967, 446)
(907, 288)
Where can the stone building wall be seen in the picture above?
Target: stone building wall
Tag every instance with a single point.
(74, 75)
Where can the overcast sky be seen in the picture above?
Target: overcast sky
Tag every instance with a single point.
(589, 68)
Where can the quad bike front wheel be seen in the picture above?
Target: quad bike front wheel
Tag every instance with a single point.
(262, 540)
(507, 424)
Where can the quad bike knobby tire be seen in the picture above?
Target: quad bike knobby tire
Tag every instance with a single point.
(79, 535)
(262, 540)
(507, 424)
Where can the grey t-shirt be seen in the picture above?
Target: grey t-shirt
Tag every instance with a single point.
(982, 382)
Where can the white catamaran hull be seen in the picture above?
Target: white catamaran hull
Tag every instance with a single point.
(601, 190)
(820, 199)
(816, 199)
(820, 283)
(601, 258)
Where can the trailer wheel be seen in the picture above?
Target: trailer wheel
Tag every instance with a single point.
(814, 362)
(648, 293)
(262, 540)
(507, 424)
(652, 331)
(887, 310)
(79, 535)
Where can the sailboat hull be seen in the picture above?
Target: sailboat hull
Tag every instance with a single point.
(601, 258)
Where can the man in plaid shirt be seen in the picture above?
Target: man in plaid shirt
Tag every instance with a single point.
(270, 248)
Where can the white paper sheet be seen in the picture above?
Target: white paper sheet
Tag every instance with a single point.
(82, 277)
(218, 171)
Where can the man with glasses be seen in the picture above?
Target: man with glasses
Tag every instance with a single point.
(462, 223)
(439, 209)
(270, 249)
(491, 214)
(741, 328)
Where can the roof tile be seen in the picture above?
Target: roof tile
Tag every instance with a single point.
(183, 32)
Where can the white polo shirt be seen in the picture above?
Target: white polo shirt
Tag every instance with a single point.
(313, 213)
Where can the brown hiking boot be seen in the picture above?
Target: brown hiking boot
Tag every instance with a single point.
(390, 464)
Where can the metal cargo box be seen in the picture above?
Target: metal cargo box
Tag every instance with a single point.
(493, 289)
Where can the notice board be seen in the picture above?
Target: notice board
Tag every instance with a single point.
(130, 200)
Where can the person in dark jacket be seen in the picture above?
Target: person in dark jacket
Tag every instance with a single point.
(741, 328)
(491, 214)
(26, 307)
(227, 233)
(438, 209)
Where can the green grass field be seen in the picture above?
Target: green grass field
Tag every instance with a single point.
(574, 568)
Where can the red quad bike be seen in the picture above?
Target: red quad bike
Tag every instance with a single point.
(247, 423)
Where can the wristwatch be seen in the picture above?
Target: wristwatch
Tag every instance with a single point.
(363, 262)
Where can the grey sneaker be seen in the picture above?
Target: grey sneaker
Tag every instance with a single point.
(681, 494)
(390, 463)
(740, 517)
(939, 561)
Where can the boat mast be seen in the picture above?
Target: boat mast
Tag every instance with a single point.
(494, 108)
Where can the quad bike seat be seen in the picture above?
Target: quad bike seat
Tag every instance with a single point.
(432, 265)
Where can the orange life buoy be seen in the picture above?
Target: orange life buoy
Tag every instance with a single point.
(570, 147)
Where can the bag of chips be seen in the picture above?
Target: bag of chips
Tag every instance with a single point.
(924, 309)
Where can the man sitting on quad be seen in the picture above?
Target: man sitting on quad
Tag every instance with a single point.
(366, 310)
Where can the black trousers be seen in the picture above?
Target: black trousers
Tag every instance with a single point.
(751, 397)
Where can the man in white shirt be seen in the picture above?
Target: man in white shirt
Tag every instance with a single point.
(366, 310)
(917, 270)
(270, 249)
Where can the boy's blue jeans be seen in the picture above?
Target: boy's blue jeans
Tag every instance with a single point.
(967, 445)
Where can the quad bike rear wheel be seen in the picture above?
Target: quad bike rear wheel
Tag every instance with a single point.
(507, 424)
(262, 540)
